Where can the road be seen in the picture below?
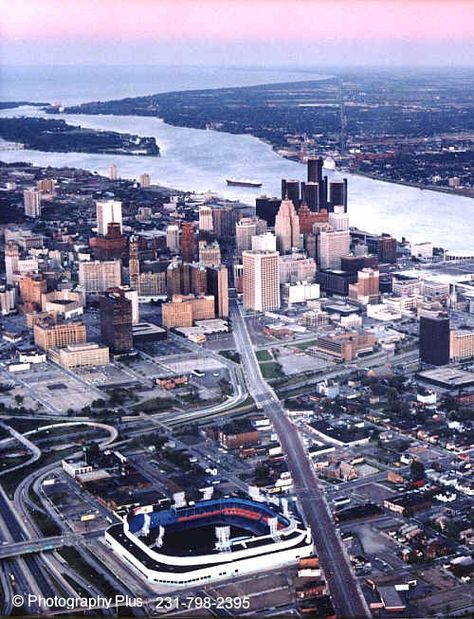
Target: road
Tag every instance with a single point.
(345, 591)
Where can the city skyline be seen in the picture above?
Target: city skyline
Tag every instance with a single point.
(270, 32)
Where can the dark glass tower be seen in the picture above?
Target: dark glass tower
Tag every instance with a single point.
(434, 339)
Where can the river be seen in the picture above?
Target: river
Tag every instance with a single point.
(199, 160)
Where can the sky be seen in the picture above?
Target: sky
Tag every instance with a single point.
(237, 32)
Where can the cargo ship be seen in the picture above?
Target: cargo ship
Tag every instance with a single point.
(235, 182)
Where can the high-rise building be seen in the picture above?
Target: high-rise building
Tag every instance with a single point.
(46, 185)
(308, 218)
(116, 319)
(209, 253)
(223, 222)
(434, 338)
(144, 180)
(108, 212)
(296, 267)
(112, 246)
(264, 242)
(132, 295)
(338, 218)
(182, 310)
(187, 242)
(172, 238)
(48, 335)
(315, 169)
(205, 219)
(311, 196)
(7, 299)
(332, 245)
(267, 208)
(461, 346)
(366, 290)
(100, 276)
(134, 264)
(261, 280)
(287, 228)
(218, 287)
(113, 172)
(198, 278)
(31, 288)
(338, 194)
(32, 203)
(291, 191)
(245, 229)
(12, 255)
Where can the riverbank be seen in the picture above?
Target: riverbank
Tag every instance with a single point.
(53, 135)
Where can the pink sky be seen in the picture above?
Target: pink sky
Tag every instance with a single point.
(231, 20)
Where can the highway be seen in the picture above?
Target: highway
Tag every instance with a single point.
(345, 591)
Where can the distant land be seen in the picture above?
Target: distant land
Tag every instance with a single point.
(414, 128)
(53, 135)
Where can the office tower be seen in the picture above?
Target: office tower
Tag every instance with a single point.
(182, 310)
(112, 246)
(308, 218)
(332, 245)
(132, 295)
(245, 229)
(434, 338)
(223, 221)
(338, 194)
(357, 263)
(338, 219)
(144, 180)
(46, 185)
(133, 264)
(238, 273)
(296, 267)
(48, 335)
(198, 279)
(315, 169)
(113, 172)
(311, 245)
(108, 212)
(292, 191)
(387, 249)
(31, 288)
(99, 276)
(116, 321)
(366, 289)
(7, 299)
(335, 281)
(187, 243)
(261, 280)
(12, 255)
(310, 196)
(264, 242)
(287, 227)
(172, 238)
(461, 347)
(267, 208)
(205, 219)
(209, 253)
(218, 287)
(32, 203)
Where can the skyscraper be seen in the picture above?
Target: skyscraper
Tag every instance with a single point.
(267, 208)
(209, 253)
(245, 229)
(261, 280)
(218, 287)
(287, 227)
(187, 243)
(434, 338)
(116, 321)
(205, 219)
(108, 212)
(144, 180)
(332, 245)
(315, 169)
(12, 255)
(292, 191)
(32, 203)
(339, 219)
(311, 196)
(223, 221)
(99, 276)
(113, 172)
(134, 264)
(172, 238)
(338, 193)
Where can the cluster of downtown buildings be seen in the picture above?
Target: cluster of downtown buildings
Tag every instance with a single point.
(290, 250)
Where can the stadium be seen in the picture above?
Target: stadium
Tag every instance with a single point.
(210, 540)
